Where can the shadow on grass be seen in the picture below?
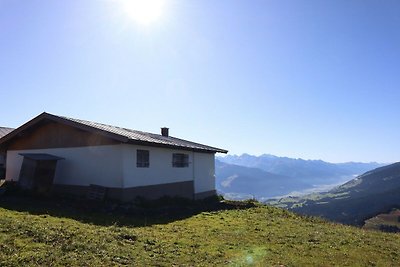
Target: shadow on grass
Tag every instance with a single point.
(140, 213)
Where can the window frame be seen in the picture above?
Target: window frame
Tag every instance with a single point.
(180, 160)
(142, 158)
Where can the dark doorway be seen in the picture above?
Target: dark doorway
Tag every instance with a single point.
(37, 172)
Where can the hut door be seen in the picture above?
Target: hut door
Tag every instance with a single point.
(44, 175)
(37, 172)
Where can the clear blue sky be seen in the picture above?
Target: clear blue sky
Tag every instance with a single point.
(310, 79)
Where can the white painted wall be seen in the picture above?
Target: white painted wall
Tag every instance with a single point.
(115, 166)
(160, 170)
(100, 165)
(204, 172)
(13, 165)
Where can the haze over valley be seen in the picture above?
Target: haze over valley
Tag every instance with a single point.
(268, 176)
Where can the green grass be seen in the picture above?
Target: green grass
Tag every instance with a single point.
(36, 232)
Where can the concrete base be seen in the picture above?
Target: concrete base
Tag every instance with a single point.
(180, 189)
(206, 194)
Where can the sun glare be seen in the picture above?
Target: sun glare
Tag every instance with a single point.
(143, 11)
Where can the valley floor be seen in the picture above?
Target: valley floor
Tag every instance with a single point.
(37, 233)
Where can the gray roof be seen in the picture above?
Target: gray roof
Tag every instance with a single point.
(120, 134)
(156, 139)
(4, 131)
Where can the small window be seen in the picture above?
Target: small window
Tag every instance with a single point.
(142, 158)
(180, 160)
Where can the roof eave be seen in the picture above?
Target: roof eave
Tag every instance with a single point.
(85, 127)
(114, 136)
(152, 144)
(21, 128)
(55, 118)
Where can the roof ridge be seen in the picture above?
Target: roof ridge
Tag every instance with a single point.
(108, 125)
(121, 134)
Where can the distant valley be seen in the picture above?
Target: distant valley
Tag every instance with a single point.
(239, 182)
(268, 176)
(370, 194)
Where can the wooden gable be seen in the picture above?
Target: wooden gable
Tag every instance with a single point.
(51, 134)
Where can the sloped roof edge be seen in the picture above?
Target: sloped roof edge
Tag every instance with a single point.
(5, 130)
(55, 118)
(123, 135)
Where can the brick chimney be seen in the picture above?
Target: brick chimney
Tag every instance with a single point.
(165, 131)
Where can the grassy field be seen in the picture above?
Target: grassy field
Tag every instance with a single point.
(51, 232)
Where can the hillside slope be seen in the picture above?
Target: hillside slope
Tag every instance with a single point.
(372, 193)
(387, 222)
(43, 234)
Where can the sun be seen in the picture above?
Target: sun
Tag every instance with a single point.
(143, 11)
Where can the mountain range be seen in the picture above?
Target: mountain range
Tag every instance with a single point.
(266, 176)
(239, 182)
